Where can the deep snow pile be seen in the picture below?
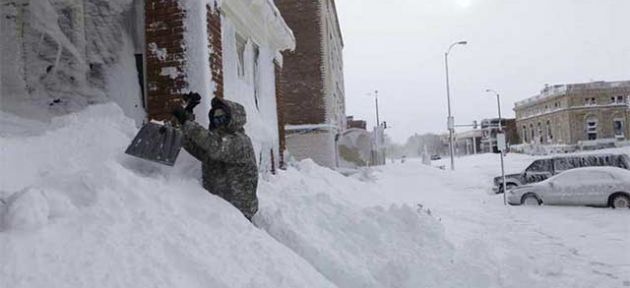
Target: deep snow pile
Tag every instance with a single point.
(77, 212)
(332, 222)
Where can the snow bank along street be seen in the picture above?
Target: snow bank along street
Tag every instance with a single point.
(81, 213)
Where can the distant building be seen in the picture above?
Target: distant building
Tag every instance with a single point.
(313, 102)
(583, 114)
(352, 123)
(468, 142)
(489, 130)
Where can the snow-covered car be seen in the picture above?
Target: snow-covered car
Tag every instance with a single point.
(542, 169)
(589, 186)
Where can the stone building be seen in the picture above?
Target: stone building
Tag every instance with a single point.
(575, 114)
(312, 81)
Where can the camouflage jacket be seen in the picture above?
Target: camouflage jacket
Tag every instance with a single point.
(228, 159)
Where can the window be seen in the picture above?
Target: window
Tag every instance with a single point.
(590, 101)
(620, 100)
(543, 165)
(540, 133)
(531, 132)
(591, 128)
(556, 105)
(256, 77)
(524, 134)
(549, 134)
(618, 128)
(240, 53)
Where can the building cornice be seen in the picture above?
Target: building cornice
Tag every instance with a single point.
(556, 91)
(574, 108)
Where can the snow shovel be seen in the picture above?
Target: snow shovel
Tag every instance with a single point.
(161, 142)
(157, 143)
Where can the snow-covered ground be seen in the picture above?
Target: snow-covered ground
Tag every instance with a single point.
(528, 246)
(75, 211)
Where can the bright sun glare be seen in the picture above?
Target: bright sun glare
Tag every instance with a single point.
(464, 3)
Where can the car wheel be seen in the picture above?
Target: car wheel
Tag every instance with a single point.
(530, 200)
(620, 201)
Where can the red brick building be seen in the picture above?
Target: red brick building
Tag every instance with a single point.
(313, 102)
(227, 49)
(352, 123)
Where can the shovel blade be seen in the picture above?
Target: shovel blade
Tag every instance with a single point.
(157, 143)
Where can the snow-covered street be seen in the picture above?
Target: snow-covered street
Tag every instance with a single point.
(525, 246)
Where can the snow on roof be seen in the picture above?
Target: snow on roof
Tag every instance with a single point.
(263, 19)
(556, 90)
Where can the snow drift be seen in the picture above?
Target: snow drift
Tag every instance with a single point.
(76, 211)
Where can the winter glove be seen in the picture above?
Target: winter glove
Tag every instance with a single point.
(181, 115)
(192, 99)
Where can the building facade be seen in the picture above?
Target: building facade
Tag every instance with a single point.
(355, 123)
(312, 81)
(468, 142)
(575, 114)
(144, 55)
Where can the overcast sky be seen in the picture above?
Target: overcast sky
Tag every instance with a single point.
(515, 47)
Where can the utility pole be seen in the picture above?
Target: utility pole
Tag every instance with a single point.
(450, 119)
(500, 145)
(378, 120)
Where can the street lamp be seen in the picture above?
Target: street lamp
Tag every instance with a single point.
(450, 120)
(500, 145)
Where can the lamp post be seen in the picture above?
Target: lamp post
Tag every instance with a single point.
(501, 148)
(378, 120)
(450, 120)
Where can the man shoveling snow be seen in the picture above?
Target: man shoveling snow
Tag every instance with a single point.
(228, 160)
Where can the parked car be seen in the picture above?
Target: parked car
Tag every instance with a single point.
(436, 157)
(590, 186)
(542, 169)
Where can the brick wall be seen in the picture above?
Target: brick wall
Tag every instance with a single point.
(216, 55)
(164, 32)
(302, 78)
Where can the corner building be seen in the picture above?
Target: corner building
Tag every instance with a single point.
(312, 84)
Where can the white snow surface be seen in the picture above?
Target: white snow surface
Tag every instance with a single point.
(75, 211)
